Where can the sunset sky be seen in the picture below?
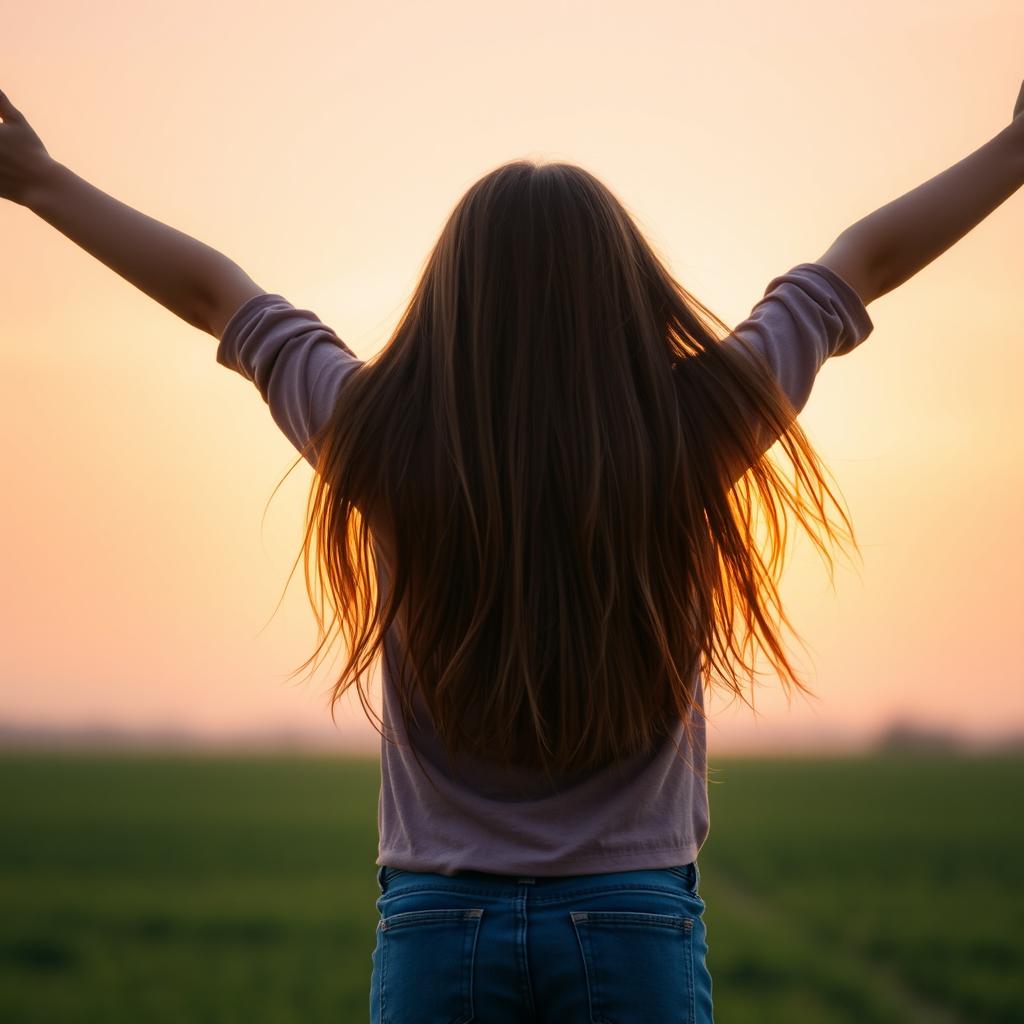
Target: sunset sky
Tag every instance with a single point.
(321, 146)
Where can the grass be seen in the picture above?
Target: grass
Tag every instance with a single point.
(173, 889)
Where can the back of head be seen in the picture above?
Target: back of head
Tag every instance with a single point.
(562, 463)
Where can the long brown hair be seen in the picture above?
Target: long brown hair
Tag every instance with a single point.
(568, 472)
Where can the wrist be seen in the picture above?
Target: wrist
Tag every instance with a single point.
(44, 182)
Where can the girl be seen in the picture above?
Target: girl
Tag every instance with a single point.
(536, 504)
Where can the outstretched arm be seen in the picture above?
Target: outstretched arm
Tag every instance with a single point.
(186, 276)
(887, 247)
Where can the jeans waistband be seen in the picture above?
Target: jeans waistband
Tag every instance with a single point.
(690, 873)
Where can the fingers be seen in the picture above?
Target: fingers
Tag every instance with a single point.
(8, 111)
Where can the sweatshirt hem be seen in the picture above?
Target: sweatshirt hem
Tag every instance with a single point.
(644, 858)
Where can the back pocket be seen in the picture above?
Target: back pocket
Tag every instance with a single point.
(639, 966)
(426, 966)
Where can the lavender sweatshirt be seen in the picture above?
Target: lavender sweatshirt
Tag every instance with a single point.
(648, 812)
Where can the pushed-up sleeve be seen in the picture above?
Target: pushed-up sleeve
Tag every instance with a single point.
(295, 360)
(806, 315)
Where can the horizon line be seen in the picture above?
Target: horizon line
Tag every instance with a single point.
(898, 735)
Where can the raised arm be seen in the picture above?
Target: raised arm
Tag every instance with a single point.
(885, 248)
(186, 276)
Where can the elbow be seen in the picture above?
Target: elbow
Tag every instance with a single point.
(860, 264)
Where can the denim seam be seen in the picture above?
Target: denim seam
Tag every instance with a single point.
(522, 923)
(691, 979)
(469, 970)
(583, 938)
(533, 899)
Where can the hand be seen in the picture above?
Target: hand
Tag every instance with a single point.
(23, 157)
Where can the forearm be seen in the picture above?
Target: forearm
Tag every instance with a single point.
(905, 235)
(178, 271)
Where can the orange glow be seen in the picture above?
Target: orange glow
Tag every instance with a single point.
(321, 147)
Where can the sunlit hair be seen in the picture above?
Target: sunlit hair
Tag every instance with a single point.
(570, 474)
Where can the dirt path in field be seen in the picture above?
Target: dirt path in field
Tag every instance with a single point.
(910, 1005)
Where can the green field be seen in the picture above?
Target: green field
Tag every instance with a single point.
(172, 889)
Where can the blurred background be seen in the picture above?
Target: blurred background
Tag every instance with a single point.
(184, 835)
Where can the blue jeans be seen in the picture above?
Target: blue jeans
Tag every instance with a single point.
(623, 947)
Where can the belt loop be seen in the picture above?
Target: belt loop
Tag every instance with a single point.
(696, 878)
(380, 879)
